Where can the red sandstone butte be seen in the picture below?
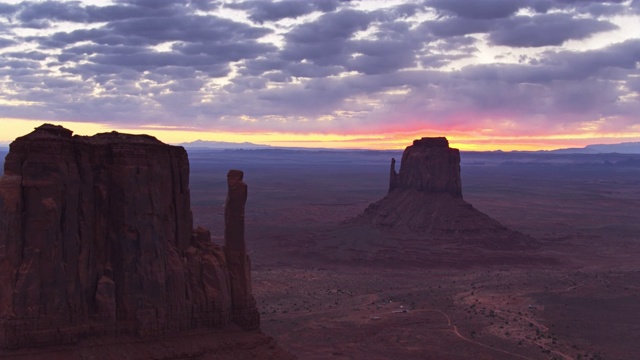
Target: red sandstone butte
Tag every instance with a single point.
(425, 198)
(96, 237)
(429, 166)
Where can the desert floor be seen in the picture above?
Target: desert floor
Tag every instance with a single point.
(326, 290)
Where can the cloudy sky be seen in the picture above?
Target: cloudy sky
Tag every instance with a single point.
(488, 74)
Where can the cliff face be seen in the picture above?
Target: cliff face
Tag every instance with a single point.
(429, 166)
(425, 198)
(98, 230)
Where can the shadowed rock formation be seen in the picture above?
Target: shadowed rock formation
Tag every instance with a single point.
(425, 198)
(429, 166)
(96, 237)
(244, 305)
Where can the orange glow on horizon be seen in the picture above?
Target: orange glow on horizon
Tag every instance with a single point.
(462, 139)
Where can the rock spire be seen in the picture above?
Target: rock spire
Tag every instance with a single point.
(244, 305)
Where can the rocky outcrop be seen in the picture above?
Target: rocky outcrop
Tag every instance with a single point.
(96, 236)
(429, 166)
(425, 198)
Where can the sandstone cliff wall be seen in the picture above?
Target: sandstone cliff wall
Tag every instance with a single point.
(97, 231)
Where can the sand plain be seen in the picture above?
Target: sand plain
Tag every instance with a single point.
(327, 290)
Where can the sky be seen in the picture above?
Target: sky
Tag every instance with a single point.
(487, 74)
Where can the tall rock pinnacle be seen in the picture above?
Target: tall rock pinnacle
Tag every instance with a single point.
(244, 305)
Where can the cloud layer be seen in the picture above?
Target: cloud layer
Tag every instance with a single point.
(498, 67)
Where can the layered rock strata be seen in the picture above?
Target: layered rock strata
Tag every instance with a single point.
(425, 197)
(96, 236)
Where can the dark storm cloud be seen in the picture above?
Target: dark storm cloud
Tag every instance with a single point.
(52, 10)
(545, 30)
(32, 55)
(208, 43)
(456, 43)
(20, 64)
(311, 99)
(333, 26)
(161, 61)
(151, 61)
(477, 9)
(325, 41)
(432, 57)
(440, 60)
(307, 70)
(500, 9)
(282, 71)
(625, 55)
(575, 85)
(118, 59)
(226, 52)
(92, 49)
(259, 66)
(395, 47)
(4, 42)
(600, 10)
(522, 31)
(261, 11)
(121, 12)
(30, 14)
(7, 9)
(46, 11)
(154, 4)
(200, 29)
(563, 65)
(457, 26)
(634, 84)
(101, 36)
(383, 56)
(398, 12)
(593, 7)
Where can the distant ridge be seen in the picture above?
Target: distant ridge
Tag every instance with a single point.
(201, 144)
(223, 145)
(621, 148)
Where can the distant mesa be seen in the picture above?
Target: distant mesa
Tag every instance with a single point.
(620, 148)
(425, 198)
(97, 238)
(223, 145)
